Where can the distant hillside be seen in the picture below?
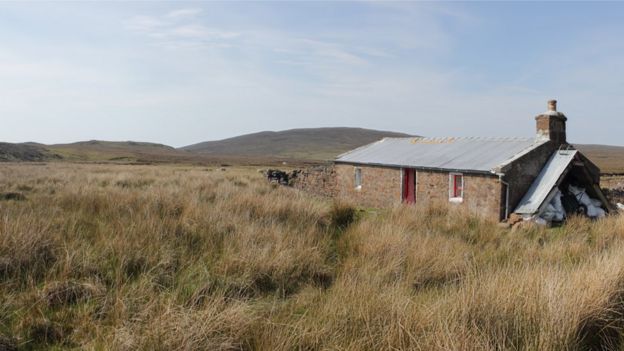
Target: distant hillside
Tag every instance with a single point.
(25, 152)
(311, 143)
(610, 159)
(305, 145)
(125, 151)
(327, 143)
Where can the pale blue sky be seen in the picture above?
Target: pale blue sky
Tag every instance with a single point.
(184, 72)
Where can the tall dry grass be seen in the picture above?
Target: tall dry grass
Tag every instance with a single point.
(183, 258)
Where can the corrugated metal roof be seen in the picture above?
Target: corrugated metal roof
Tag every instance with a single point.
(545, 182)
(461, 154)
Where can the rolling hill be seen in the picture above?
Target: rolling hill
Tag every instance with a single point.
(297, 145)
(93, 151)
(311, 143)
(326, 143)
(302, 145)
(609, 158)
(26, 152)
(122, 151)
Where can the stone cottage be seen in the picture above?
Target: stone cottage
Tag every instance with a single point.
(492, 176)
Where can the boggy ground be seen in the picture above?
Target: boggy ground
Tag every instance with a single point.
(101, 257)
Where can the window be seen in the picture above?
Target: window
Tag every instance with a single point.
(456, 187)
(358, 178)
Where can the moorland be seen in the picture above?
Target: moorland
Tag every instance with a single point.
(179, 257)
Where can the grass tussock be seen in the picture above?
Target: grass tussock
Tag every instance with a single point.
(177, 258)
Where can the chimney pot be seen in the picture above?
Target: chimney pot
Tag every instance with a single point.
(552, 105)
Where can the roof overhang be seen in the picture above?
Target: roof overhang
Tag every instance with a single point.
(431, 169)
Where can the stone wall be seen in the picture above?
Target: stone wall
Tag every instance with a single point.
(523, 171)
(381, 186)
(482, 193)
(320, 180)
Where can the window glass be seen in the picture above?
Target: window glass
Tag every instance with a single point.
(358, 178)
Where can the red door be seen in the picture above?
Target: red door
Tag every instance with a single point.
(409, 186)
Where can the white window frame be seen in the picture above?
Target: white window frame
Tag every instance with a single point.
(401, 180)
(357, 173)
(452, 198)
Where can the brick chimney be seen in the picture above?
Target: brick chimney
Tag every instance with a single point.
(552, 124)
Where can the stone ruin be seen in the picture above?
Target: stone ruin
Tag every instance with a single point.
(282, 177)
(319, 180)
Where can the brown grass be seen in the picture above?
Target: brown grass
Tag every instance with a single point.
(180, 258)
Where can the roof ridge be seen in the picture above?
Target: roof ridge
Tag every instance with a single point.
(477, 138)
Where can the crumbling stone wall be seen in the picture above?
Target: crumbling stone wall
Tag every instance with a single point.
(319, 180)
(614, 195)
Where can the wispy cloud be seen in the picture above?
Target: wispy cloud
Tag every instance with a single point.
(181, 73)
(179, 29)
(183, 13)
(199, 31)
(145, 24)
(317, 54)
